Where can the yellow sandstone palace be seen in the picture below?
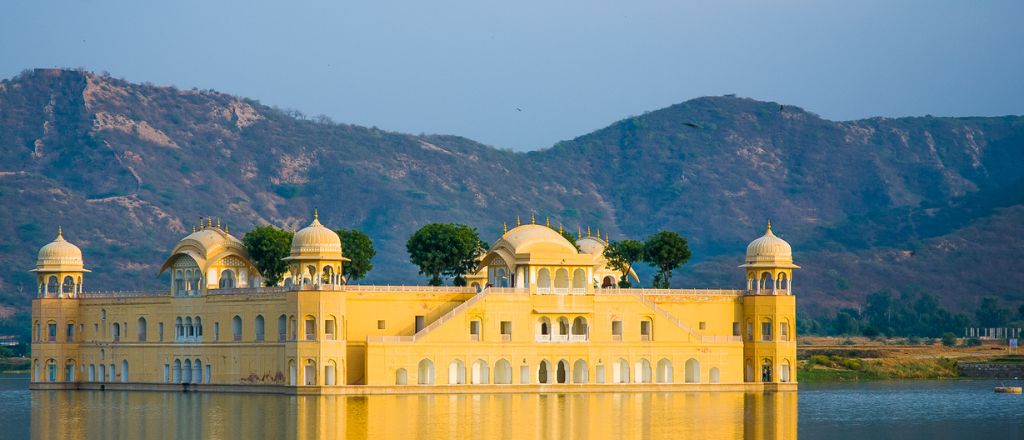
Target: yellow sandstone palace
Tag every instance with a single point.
(541, 315)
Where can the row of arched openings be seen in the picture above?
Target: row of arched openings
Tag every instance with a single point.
(53, 286)
(187, 371)
(561, 283)
(560, 372)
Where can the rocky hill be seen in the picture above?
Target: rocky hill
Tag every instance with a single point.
(922, 203)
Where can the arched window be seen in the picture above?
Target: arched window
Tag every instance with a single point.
(259, 328)
(179, 329)
(579, 371)
(187, 279)
(142, 329)
(646, 329)
(179, 282)
(112, 372)
(456, 372)
(579, 282)
(784, 371)
(714, 375)
(502, 372)
(766, 329)
(189, 329)
(69, 285)
(664, 371)
(282, 328)
(117, 331)
(784, 331)
(330, 328)
(767, 284)
(543, 281)
(401, 377)
(92, 372)
(197, 371)
(310, 372)
(562, 371)
(480, 373)
(310, 326)
(563, 326)
(748, 371)
(561, 281)
(198, 324)
(544, 372)
(692, 371)
(608, 282)
(425, 372)
(124, 371)
(544, 329)
(620, 371)
(186, 371)
(766, 370)
(227, 279)
(293, 373)
(580, 330)
(103, 373)
(236, 328)
(52, 286)
(783, 281)
(51, 370)
(197, 278)
(69, 371)
(643, 371)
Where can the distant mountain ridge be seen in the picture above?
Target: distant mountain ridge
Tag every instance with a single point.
(919, 203)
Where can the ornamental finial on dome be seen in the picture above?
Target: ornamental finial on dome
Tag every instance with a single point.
(504, 227)
(316, 214)
(517, 220)
(547, 221)
(533, 220)
(60, 232)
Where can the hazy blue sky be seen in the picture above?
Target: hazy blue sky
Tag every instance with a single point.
(464, 67)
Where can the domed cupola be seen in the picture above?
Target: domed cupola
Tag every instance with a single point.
(769, 265)
(315, 258)
(316, 240)
(769, 249)
(59, 268)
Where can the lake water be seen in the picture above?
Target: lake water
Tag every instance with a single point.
(880, 410)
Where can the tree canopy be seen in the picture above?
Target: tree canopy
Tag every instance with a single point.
(357, 247)
(267, 247)
(621, 256)
(445, 249)
(666, 251)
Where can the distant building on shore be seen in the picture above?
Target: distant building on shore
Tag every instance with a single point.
(541, 315)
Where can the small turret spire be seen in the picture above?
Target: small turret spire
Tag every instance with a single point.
(218, 222)
(560, 228)
(598, 232)
(60, 232)
(579, 232)
(193, 229)
(225, 228)
(517, 220)
(547, 221)
(588, 231)
(533, 220)
(316, 214)
(606, 237)
(504, 226)
(209, 222)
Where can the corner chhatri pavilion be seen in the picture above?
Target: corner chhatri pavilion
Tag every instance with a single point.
(541, 315)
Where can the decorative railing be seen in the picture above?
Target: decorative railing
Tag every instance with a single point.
(508, 291)
(579, 290)
(452, 313)
(375, 288)
(125, 294)
(654, 292)
(561, 290)
(543, 290)
(543, 338)
(721, 339)
(578, 338)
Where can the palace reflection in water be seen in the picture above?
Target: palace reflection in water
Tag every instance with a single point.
(119, 414)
